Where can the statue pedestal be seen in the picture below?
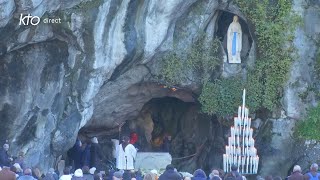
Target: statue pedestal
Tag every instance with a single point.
(152, 160)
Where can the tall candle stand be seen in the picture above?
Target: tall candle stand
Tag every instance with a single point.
(240, 150)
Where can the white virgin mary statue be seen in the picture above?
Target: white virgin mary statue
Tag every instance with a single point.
(234, 41)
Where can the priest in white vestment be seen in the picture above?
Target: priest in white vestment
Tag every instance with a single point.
(126, 154)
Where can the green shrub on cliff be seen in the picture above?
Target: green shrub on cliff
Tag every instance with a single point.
(309, 128)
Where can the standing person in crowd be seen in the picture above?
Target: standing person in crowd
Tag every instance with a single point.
(5, 159)
(313, 174)
(165, 147)
(78, 175)
(133, 139)
(268, 177)
(49, 176)
(77, 154)
(19, 169)
(54, 174)
(6, 174)
(20, 160)
(231, 176)
(117, 175)
(170, 174)
(234, 171)
(36, 173)
(126, 175)
(199, 174)
(126, 155)
(14, 169)
(86, 154)
(66, 174)
(95, 154)
(27, 175)
(86, 173)
(149, 176)
(214, 175)
(296, 173)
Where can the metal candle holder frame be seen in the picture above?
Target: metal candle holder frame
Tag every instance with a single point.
(240, 150)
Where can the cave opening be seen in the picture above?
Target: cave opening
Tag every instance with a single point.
(223, 22)
(168, 124)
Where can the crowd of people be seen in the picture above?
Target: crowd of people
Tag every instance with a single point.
(86, 153)
(15, 168)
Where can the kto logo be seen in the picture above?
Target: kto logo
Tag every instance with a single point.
(28, 19)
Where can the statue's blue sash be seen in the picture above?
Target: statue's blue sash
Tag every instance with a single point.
(234, 44)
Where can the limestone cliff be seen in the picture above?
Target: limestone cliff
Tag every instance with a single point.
(97, 67)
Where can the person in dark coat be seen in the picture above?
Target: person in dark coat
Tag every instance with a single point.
(234, 171)
(170, 174)
(166, 144)
(75, 154)
(49, 176)
(95, 153)
(86, 154)
(20, 160)
(199, 174)
(296, 173)
(5, 159)
(86, 173)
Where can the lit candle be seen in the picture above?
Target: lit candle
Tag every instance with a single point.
(239, 112)
(238, 141)
(254, 164)
(252, 141)
(243, 143)
(252, 151)
(243, 163)
(247, 113)
(224, 163)
(251, 165)
(247, 142)
(243, 102)
(247, 171)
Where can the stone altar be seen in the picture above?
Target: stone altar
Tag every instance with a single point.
(152, 160)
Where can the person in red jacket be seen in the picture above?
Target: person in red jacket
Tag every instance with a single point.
(133, 139)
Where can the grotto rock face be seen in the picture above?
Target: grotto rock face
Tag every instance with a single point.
(99, 66)
(299, 95)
